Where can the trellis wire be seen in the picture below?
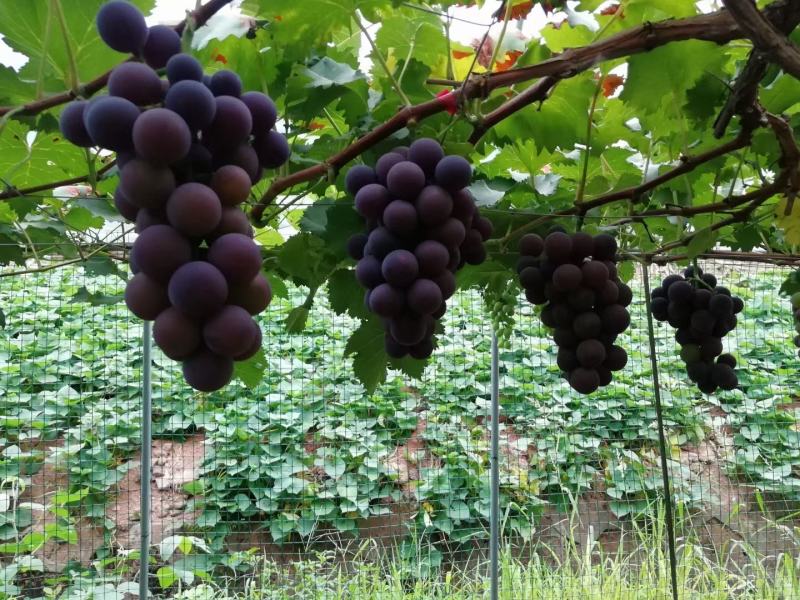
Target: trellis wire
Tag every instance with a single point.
(499, 460)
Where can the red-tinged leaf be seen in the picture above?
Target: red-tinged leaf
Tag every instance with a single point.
(612, 10)
(510, 59)
(459, 54)
(484, 47)
(611, 83)
(314, 125)
(519, 9)
(448, 100)
(278, 18)
(221, 58)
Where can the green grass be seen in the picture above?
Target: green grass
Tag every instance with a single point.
(642, 574)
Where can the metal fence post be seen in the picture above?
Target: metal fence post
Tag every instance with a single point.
(494, 517)
(662, 442)
(145, 469)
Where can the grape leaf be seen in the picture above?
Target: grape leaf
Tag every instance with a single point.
(369, 356)
(251, 371)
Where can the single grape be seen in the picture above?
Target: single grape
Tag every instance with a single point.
(453, 173)
(125, 207)
(231, 332)
(193, 102)
(135, 82)
(233, 220)
(122, 26)
(146, 185)
(110, 122)
(182, 67)
(226, 83)
(253, 296)
(161, 136)
(159, 251)
(145, 297)
(206, 371)
(359, 176)
(262, 109)
(426, 153)
(232, 185)
(194, 210)
(197, 289)
(177, 335)
(162, 44)
(236, 256)
(272, 149)
(231, 126)
(405, 180)
(72, 124)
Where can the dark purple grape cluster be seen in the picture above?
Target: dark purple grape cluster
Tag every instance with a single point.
(574, 279)
(702, 313)
(423, 226)
(189, 149)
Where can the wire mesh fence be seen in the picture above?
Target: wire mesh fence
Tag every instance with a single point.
(308, 487)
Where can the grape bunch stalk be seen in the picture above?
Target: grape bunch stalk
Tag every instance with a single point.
(702, 313)
(574, 278)
(795, 300)
(189, 149)
(423, 226)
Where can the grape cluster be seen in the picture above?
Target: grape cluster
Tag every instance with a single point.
(189, 149)
(702, 314)
(795, 299)
(575, 278)
(423, 226)
(501, 304)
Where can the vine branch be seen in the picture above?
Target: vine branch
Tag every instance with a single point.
(765, 36)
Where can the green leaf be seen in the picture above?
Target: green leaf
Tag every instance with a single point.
(96, 298)
(334, 223)
(369, 356)
(103, 266)
(251, 371)
(296, 320)
(346, 295)
(167, 577)
(701, 242)
(327, 72)
(81, 219)
(658, 80)
(420, 37)
(308, 23)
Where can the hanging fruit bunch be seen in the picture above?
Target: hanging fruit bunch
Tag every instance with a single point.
(189, 149)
